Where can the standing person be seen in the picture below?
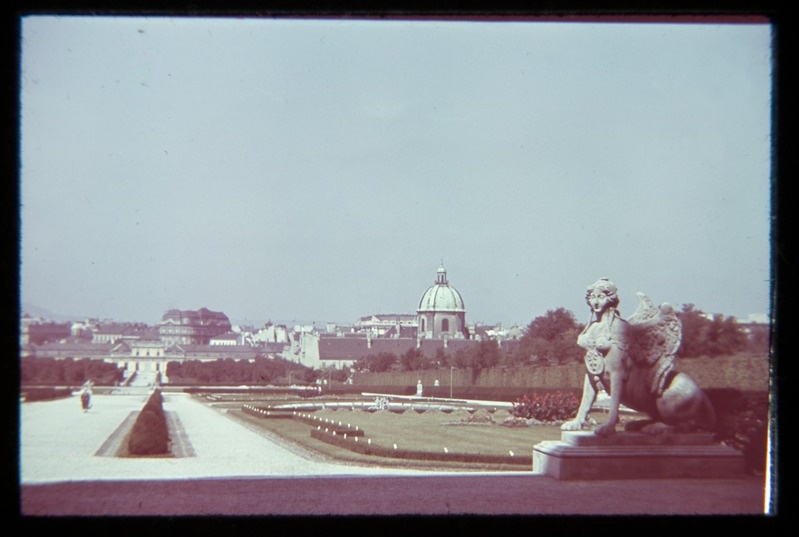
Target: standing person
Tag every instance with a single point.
(86, 396)
(85, 399)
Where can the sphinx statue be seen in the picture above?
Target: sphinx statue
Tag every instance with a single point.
(634, 361)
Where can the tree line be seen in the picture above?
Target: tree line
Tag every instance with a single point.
(551, 339)
(261, 370)
(70, 372)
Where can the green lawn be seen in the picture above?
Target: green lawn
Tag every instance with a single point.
(431, 431)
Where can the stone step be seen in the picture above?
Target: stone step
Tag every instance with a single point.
(589, 438)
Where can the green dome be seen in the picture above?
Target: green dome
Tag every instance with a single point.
(441, 296)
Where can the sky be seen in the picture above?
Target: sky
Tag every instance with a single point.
(321, 170)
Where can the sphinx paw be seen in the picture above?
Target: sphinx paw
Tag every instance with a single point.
(605, 430)
(573, 425)
(657, 428)
(637, 425)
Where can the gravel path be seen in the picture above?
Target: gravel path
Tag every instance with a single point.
(59, 442)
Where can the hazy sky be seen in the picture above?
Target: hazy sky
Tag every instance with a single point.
(322, 170)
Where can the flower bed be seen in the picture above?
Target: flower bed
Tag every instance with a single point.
(549, 407)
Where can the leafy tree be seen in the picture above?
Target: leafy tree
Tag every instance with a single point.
(308, 375)
(485, 354)
(461, 359)
(732, 336)
(229, 371)
(101, 372)
(377, 363)
(412, 360)
(550, 339)
(340, 375)
(41, 371)
(441, 358)
(552, 325)
(709, 336)
(73, 371)
(38, 370)
(334, 373)
(759, 338)
(693, 323)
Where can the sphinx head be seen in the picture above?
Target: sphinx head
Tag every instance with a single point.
(601, 295)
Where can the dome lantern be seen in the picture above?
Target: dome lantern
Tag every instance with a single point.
(441, 275)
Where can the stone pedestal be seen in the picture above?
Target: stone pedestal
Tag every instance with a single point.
(582, 455)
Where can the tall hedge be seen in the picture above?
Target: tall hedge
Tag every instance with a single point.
(150, 433)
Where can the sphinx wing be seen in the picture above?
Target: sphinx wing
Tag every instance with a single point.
(653, 338)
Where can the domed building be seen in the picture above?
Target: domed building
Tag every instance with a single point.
(441, 313)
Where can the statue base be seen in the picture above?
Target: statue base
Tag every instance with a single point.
(582, 455)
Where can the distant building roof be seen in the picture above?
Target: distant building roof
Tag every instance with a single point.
(389, 317)
(201, 316)
(454, 345)
(229, 336)
(401, 331)
(223, 351)
(343, 348)
(329, 335)
(88, 347)
(73, 350)
(396, 346)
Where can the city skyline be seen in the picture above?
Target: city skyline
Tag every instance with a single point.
(322, 170)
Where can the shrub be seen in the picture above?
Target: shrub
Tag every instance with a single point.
(552, 406)
(742, 421)
(150, 433)
(154, 402)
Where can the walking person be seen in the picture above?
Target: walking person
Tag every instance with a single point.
(86, 396)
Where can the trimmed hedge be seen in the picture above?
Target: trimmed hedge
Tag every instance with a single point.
(46, 394)
(345, 437)
(266, 412)
(150, 433)
(330, 425)
(284, 414)
(366, 448)
(506, 394)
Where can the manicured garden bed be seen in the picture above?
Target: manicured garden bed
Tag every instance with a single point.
(425, 435)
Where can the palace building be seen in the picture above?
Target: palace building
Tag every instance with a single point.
(187, 327)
